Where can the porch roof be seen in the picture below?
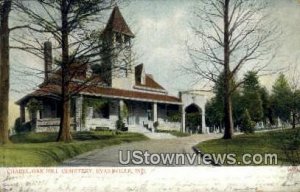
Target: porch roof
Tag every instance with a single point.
(131, 95)
(52, 90)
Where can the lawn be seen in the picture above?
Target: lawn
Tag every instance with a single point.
(284, 143)
(40, 149)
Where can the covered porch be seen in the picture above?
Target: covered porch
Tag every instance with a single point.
(137, 115)
(43, 114)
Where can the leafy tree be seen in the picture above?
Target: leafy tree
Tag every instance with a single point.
(295, 102)
(214, 113)
(268, 113)
(251, 96)
(247, 125)
(251, 82)
(295, 107)
(282, 98)
(214, 108)
(237, 106)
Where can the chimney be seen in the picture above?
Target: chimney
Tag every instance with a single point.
(48, 59)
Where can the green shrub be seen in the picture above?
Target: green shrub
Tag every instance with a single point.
(174, 116)
(18, 125)
(19, 128)
(120, 125)
(247, 125)
(155, 124)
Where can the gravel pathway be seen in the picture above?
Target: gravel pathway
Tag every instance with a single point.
(109, 156)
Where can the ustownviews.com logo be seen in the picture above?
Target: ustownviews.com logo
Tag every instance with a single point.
(180, 159)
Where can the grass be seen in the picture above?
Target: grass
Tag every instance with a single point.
(40, 149)
(259, 143)
(175, 133)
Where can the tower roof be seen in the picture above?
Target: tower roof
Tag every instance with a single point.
(117, 23)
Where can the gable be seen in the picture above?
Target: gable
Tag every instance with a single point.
(143, 80)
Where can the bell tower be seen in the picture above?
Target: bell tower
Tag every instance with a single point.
(118, 71)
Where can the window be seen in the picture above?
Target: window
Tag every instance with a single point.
(127, 40)
(119, 38)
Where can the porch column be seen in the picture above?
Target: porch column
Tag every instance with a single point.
(154, 106)
(183, 119)
(121, 106)
(22, 113)
(204, 129)
(78, 113)
(38, 114)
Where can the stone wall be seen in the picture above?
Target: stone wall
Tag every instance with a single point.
(50, 125)
(94, 123)
(164, 124)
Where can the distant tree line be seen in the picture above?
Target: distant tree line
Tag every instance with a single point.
(253, 103)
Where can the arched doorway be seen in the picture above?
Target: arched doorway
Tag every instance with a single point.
(193, 119)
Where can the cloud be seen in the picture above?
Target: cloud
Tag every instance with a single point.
(161, 29)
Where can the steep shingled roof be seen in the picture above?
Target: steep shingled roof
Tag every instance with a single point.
(117, 23)
(150, 83)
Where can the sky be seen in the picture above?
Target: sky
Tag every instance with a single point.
(162, 28)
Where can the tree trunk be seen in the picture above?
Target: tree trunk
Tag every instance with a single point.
(228, 117)
(227, 76)
(4, 71)
(65, 131)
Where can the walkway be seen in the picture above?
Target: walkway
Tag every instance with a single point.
(109, 156)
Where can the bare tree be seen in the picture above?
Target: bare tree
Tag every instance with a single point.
(230, 35)
(5, 8)
(67, 23)
(70, 25)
